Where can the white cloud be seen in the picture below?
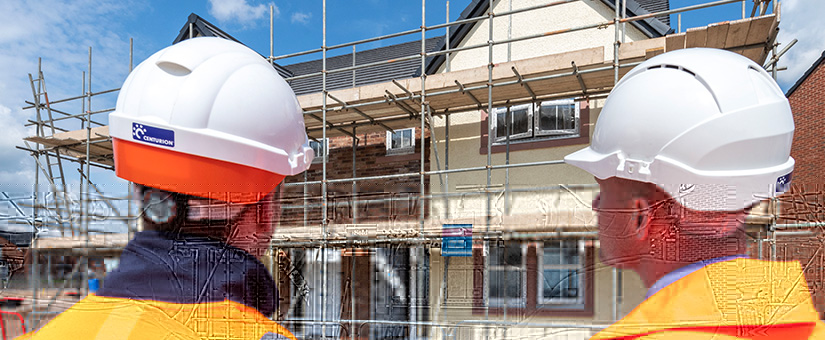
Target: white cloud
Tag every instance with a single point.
(239, 11)
(800, 19)
(60, 32)
(299, 17)
(17, 168)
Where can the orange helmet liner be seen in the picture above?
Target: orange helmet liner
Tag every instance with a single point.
(190, 174)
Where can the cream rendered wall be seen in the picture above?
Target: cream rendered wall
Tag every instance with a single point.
(543, 20)
(464, 144)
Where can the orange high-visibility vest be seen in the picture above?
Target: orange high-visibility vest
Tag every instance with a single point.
(98, 317)
(737, 299)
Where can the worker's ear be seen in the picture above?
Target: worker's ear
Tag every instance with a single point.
(641, 218)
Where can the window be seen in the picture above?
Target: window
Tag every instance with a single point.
(551, 278)
(320, 151)
(561, 276)
(538, 121)
(521, 122)
(400, 142)
(507, 275)
(559, 117)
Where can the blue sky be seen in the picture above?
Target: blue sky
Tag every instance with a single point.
(61, 32)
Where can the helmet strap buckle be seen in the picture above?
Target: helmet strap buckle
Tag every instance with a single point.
(633, 169)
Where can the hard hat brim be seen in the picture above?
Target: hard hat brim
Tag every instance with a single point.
(190, 174)
(589, 160)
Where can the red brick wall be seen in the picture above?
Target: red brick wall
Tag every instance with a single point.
(381, 200)
(808, 106)
(806, 200)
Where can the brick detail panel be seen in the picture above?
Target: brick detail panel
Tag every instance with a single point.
(379, 200)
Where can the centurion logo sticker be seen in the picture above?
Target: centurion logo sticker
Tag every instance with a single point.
(151, 134)
(784, 183)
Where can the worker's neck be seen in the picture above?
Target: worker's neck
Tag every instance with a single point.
(651, 269)
(700, 236)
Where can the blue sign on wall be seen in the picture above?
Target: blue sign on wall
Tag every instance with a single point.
(457, 240)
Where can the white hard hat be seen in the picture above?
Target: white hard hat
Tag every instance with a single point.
(708, 126)
(208, 115)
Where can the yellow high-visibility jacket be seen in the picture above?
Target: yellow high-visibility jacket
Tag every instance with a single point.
(175, 286)
(100, 317)
(737, 299)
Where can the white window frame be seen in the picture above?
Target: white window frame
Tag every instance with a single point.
(518, 136)
(534, 132)
(519, 302)
(321, 158)
(580, 268)
(403, 150)
(574, 132)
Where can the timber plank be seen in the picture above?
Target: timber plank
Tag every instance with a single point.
(717, 35)
(737, 33)
(759, 29)
(696, 37)
(675, 42)
(70, 137)
(754, 54)
(638, 49)
(654, 52)
(772, 33)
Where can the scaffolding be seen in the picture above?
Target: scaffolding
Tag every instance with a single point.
(586, 74)
(62, 218)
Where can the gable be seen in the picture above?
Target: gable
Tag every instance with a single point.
(807, 74)
(198, 27)
(650, 27)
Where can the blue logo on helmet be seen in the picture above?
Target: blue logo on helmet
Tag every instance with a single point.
(783, 183)
(151, 134)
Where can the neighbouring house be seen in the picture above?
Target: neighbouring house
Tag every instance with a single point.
(803, 209)
(807, 98)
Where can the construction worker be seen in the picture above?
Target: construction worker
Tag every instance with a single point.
(686, 143)
(207, 129)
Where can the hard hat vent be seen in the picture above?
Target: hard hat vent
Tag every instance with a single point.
(675, 67)
(174, 69)
(692, 74)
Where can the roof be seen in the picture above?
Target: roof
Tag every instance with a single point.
(652, 27)
(806, 75)
(203, 28)
(397, 69)
(653, 6)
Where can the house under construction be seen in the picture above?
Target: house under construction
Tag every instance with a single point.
(438, 204)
